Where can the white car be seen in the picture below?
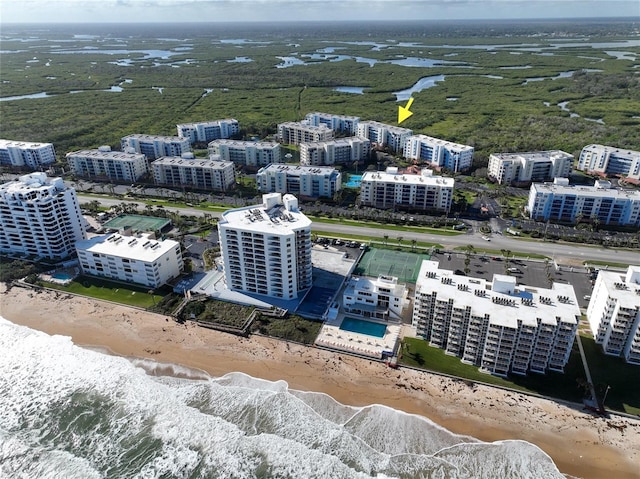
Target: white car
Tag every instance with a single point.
(486, 238)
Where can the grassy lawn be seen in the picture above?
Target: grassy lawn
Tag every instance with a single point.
(418, 353)
(110, 291)
(387, 227)
(622, 378)
(219, 312)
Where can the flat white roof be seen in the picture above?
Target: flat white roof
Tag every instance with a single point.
(32, 181)
(407, 178)
(21, 144)
(244, 143)
(347, 141)
(276, 220)
(209, 122)
(580, 190)
(138, 247)
(533, 155)
(112, 155)
(144, 136)
(192, 162)
(439, 141)
(619, 152)
(391, 128)
(526, 303)
(296, 170)
(626, 292)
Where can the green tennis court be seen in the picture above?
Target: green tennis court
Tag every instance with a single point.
(402, 264)
(137, 223)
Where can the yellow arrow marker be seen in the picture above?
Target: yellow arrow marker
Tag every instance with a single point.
(403, 111)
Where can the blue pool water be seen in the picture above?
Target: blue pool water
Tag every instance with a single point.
(354, 181)
(363, 327)
(62, 276)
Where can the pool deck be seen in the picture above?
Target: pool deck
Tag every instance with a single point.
(332, 337)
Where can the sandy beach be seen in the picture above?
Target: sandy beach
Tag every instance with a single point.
(581, 445)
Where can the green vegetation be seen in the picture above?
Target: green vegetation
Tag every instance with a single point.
(13, 269)
(568, 386)
(391, 227)
(291, 328)
(217, 312)
(122, 293)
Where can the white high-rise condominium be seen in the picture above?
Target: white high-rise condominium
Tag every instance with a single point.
(614, 313)
(609, 160)
(382, 134)
(198, 173)
(497, 325)
(342, 151)
(40, 217)
(309, 181)
(439, 153)
(294, 133)
(507, 168)
(154, 146)
(338, 123)
(139, 259)
(26, 154)
(104, 163)
(267, 248)
(206, 131)
(246, 153)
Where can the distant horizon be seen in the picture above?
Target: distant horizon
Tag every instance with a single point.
(263, 11)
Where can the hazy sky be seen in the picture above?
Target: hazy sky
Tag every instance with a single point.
(27, 11)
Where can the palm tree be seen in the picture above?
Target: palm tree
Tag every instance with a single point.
(414, 242)
(385, 238)
(400, 238)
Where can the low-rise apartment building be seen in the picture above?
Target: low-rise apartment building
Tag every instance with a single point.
(497, 325)
(393, 189)
(206, 131)
(559, 201)
(26, 154)
(393, 137)
(609, 160)
(103, 163)
(614, 313)
(294, 133)
(308, 181)
(197, 173)
(266, 248)
(155, 146)
(139, 259)
(246, 153)
(520, 168)
(439, 153)
(39, 217)
(342, 151)
(381, 298)
(338, 123)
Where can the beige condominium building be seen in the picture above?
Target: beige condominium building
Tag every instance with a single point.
(507, 168)
(294, 133)
(104, 163)
(246, 153)
(341, 151)
(197, 173)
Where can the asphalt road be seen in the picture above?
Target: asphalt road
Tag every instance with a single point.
(563, 253)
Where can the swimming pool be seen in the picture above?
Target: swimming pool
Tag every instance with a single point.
(354, 181)
(363, 327)
(63, 276)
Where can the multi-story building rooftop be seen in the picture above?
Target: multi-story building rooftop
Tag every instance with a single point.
(104, 163)
(308, 181)
(294, 133)
(338, 123)
(439, 153)
(392, 189)
(342, 151)
(246, 153)
(393, 137)
(198, 173)
(538, 166)
(381, 298)
(139, 259)
(559, 201)
(26, 154)
(614, 313)
(153, 146)
(497, 325)
(267, 248)
(206, 131)
(39, 216)
(609, 160)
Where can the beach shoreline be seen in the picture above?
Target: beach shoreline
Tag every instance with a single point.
(580, 444)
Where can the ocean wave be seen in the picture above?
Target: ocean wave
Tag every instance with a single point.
(71, 412)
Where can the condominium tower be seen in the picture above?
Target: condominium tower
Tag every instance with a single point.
(342, 151)
(497, 325)
(614, 313)
(338, 123)
(294, 133)
(439, 153)
(609, 160)
(26, 154)
(246, 153)
(198, 173)
(309, 181)
(267, 248)
(559, 201)
(392, 189)
(206, 131)
(140, 259)
(153, 146)
(507, 168)
(39, 217)
(393, 137)
(104, 163)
